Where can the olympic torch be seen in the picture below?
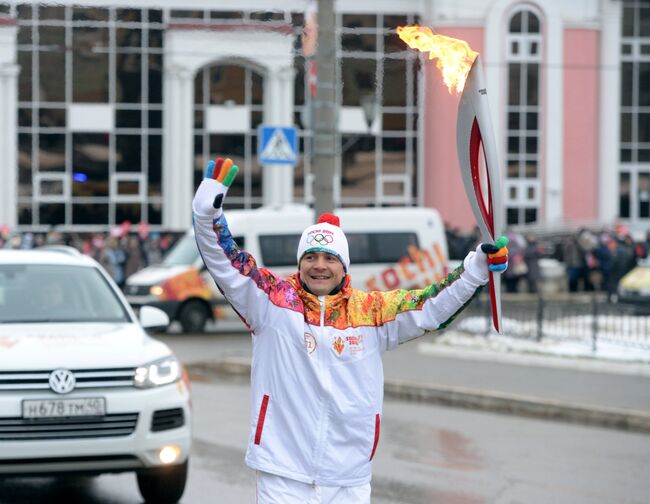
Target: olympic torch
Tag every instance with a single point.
(462, 70)
(474, 133)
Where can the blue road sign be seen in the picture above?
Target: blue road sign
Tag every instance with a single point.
(277, 145)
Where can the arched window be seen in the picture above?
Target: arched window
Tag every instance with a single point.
(228, 108)
(524, 56)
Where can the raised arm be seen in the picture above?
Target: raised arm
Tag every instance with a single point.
(235, 272)
(408, 314)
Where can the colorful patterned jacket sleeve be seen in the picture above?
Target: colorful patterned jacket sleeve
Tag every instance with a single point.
(247, 288)
(407, 314)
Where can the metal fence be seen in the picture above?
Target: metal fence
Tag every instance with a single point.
(585, 319)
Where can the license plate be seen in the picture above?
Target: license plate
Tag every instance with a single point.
(57, 408)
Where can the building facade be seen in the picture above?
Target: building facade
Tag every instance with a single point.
(109, 112)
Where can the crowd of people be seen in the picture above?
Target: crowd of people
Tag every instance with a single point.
(120, 251)
(594, 260)
(597, 261)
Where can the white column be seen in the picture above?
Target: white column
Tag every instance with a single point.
(178, 148)
(277, 179)
(553, 129)
(8, 144)
(610, 118)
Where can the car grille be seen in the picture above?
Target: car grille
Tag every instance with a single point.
(167, 419)
(21, 429)
(85, 379)
(137, 290)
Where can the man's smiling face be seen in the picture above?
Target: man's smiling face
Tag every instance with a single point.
(321, 272)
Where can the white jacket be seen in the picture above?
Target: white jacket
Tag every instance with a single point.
(317, 376)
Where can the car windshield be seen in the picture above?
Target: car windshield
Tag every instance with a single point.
(184, 253)
(33, 293)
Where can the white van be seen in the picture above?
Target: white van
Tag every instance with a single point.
(390, 248)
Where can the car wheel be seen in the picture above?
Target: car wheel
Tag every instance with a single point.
(193, 317)
(164, 485)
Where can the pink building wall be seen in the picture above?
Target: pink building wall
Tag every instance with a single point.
(443, 184)
(580, 152)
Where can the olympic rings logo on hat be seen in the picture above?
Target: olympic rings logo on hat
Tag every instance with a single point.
(319, 239)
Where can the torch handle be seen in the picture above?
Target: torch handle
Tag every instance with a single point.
(495, 300)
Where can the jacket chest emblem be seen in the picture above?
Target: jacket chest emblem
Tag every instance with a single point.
(310, 343)
(338, 345)
(354, 344)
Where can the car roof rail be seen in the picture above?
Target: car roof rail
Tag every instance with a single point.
(64, 249)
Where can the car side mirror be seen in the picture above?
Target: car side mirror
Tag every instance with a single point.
(153, 319)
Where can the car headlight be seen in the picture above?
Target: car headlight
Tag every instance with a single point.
(644, 291)
(159, 372)
(156, 290)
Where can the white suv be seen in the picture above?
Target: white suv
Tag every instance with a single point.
(83, 388)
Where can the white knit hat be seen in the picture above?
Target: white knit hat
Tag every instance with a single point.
(325, 236)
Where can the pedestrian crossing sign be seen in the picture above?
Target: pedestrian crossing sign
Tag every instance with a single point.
(277, 145)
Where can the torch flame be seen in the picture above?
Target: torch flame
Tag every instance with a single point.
(454, 56)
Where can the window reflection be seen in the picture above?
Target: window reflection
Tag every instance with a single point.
(359, 77)
(128, 149)
(128, 118)
(624, 195)
(395, 80)
(84, 213)
(90, 65)
(644, 84)
(394, 122)
(154, 165)
(89, 14)
(128, 78)
(51, 155)
(644, 195)
(90, 163)
(51, 213)
(127, 212)
(359, 21)
(51, 38)
(358, 166)
(51, 117)
(365, 42)
(128, 37)
(52, 86)
(532, 80)
(227, 84)
(25, 214)
(154, 213)
(514, 83)
(155, 78)
(644, 127)
(24, 164)
(25, 76)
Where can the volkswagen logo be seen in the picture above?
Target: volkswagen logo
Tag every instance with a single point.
(62, 381)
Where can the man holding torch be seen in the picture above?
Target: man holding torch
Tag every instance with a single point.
(316, 373)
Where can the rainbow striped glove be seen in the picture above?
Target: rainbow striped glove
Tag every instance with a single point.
(497, 255)
(210, 194)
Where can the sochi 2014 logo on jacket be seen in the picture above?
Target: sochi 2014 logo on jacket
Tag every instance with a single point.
(353, 343)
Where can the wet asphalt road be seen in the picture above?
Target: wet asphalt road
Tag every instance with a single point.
(426, 455)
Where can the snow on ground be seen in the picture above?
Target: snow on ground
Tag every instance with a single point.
(560, 338)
